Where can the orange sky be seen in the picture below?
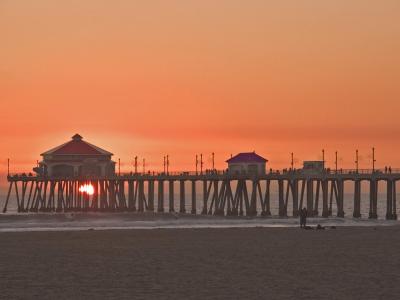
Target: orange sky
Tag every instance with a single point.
(183, 77)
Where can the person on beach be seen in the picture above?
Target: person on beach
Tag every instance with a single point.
(303, 217)
(305, 212)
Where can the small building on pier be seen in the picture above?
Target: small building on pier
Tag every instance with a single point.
(247, 163)
(76, 158)
(315, 166)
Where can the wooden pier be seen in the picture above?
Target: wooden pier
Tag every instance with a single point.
(223, 193)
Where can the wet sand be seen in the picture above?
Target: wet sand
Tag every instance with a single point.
(236, 263)
(114, 221)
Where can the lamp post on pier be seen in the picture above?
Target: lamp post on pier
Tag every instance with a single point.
(356, 161)
(119, 167)
(201, 163)
(167, 164)
(292, 162)
(336, 161)
(136, 164)
(373, 160)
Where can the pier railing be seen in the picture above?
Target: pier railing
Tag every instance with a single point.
(16, 176)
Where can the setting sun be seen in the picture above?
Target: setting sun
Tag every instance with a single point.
(199, 149)
(87, 189)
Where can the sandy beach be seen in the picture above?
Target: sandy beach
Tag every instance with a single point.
(235, 263)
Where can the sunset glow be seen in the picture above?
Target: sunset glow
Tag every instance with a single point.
(87, 189)
(180, 78)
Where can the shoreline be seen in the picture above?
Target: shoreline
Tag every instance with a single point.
(148, 221)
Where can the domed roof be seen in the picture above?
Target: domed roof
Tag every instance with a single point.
(77, 146)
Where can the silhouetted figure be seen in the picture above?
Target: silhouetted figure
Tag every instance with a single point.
(303, 217)
(390, 170)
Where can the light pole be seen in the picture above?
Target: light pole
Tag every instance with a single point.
(336, 162)
(167, 164)
(292, 162)
(119, 167)
(136, 164)
(213, 161)
(357, 161)
(373, 159)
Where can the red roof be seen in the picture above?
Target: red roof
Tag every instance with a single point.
(77, 147)
(247, 157)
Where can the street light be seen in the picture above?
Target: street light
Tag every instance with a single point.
(292, 161)
(336, 161)
(356, 161)
(167, 164)
(373, 159)
(136, 158)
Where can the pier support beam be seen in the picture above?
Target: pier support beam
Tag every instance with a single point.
(160, 204)
(391, 198)
(282, 212)
(340, 202)
(316, 204)
(111, 192)
(373, 199)
(253, 200)
(171, 196)
(8, 197)
(220, 206)
(357, 199)
(205, 198)
(310, 197)
(266, 206)
(141, 196)
(325, 192)
(151, 195)
(295, 194)
(194, 208)
(215, 198)
(182, 200)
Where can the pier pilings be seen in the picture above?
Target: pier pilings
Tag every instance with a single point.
(225, 194)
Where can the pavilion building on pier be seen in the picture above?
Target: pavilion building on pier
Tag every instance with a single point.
(313, 166)
(76, 158)
(247, 163)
